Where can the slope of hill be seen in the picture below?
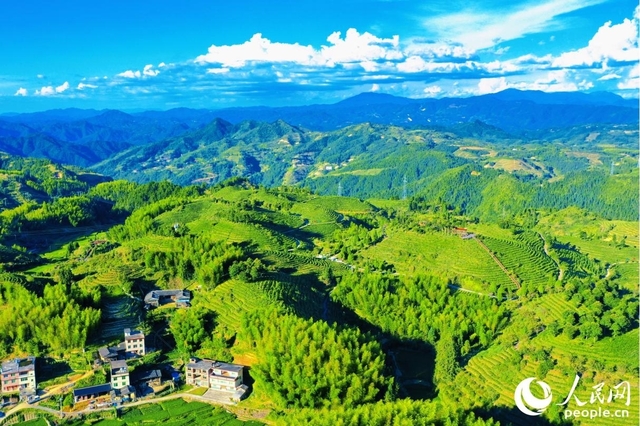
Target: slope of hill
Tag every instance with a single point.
(464, 165)
(387, 285)
(512, 111)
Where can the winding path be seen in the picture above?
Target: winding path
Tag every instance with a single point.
(546, 251)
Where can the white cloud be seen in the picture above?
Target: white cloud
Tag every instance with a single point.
(50, 90)
(257, 48)
(64, 86)
(374, 87)
(82, 86)
(492, 85)
(130, 74)
(612, 76)
(632, 82)
(552, 81)
(354, 48)
(438, 50)
(149, 71)
(46, 91)
(479, 29)
(21, 92)
(616, 42)
(432, 91)
(629, 84)
(40, 76)
(217, 70)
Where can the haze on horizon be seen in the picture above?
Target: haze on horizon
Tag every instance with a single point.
(218, 54)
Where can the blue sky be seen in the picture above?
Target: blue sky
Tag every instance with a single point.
(212, 54)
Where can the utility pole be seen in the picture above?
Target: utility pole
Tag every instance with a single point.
(611, 173)
(339, 189)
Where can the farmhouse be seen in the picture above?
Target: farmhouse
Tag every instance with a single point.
(150, 377)
(19, 375)
(156, 298)
(112, 353)
(91, 392)
(134, 342)
(119, 374)
(219, 376)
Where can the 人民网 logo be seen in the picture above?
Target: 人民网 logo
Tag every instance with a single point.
(527, 402)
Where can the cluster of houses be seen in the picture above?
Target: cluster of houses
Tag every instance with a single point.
(218, 376)
(19, 375)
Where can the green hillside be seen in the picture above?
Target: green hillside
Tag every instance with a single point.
(341, 307)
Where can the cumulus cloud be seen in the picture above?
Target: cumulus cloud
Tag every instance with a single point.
(632, 82)
(21, 92)
(149, 71)
(353, 48)
(64, 86)
(50, 90)
(260, 69)
(257, 48)
(45, 91)
(492, 85)
(130, 74)
(612, 42)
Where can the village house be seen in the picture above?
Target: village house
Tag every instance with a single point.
(119, 374)
(112, 353)
(91, 392)
(134, 342)
(149, 377)
(19, 375)
(156, 298)
(133, 345)
(218, 376)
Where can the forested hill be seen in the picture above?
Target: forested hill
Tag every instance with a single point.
(85, 137)
(347, 311)
(475, 168)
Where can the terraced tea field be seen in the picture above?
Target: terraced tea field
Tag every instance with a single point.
(412, 253)
(230, 300)
(528, 261)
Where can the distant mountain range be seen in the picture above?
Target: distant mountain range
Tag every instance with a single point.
(86, 137)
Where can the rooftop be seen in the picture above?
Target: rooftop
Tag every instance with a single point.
(205, 364)
(144, 376)
(119, 367)
(132, 334)
(154, 295)
(19, 365)
(92, 390)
